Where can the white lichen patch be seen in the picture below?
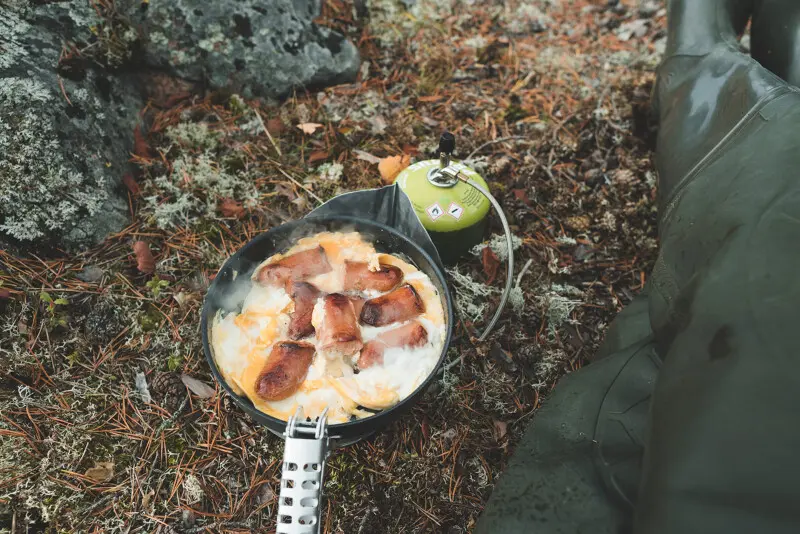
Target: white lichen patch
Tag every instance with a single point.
(499, 246)
(39, 190)
(330, 172)
(557, 304)
(471, 295)
(192, 190)
(193, 134)
(12, 28)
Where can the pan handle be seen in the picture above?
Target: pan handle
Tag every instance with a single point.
(304, 457)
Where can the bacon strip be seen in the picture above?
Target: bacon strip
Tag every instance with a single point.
(358, 277)
(339, 333)
(286, 368)
(412, 335)
(402, 304)
(305, 297)
(296, 267)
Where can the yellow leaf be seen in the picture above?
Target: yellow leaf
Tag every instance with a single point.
(390, 167)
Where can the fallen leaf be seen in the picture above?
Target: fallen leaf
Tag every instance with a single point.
(319, 155)
(275, 126)
(146, 499)
(5, 293)
(366, 156)
(131, 183)
(144, 258)
(411, 150)
(286, 190)
(201, 389)
(140, 146)
(141, 387)
(101, 472)
(521, 195)
(378, 124)
(301, 203)
(231, 208)
(309, 127)
(500, 429)
(183, 298)
(392, 166)
(490, 264)
(432, 98)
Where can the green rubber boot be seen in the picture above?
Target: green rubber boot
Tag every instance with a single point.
(685, 423)
(775, 38)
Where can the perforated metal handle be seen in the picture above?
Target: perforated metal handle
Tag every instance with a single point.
(304, 456)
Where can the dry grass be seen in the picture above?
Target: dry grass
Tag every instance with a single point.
(575, 179)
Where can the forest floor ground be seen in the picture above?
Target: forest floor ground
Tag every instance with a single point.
(549, 101)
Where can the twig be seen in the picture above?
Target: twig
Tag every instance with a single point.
(539, 164)
(495, 141)
(64, 91)
(524, 270)
(269, 136)
(449, 365)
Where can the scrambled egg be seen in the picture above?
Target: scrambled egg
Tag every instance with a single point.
(242, 342)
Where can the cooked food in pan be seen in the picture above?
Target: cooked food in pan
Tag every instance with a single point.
(331, 323)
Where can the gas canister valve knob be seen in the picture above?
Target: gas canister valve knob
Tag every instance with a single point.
(447, 145)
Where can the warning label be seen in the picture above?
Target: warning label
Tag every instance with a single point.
(434, 211)
(455, 211)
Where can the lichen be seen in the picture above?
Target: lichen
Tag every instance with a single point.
(12, 28)
(40, 191)
(499, 246)
(470, 294)
(190, 193)
(330, 172)
(193, 134)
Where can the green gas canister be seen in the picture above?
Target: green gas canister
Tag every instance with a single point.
(453, 211)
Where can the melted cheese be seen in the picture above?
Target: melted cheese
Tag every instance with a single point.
(242, 342)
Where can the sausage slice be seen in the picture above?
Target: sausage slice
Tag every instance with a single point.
(358, 277)
(296, 267)
(286, 368)
(402, 304)
(412, 335)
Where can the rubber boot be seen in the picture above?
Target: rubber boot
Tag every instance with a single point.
(775, 38)
(579, 467)
(705, 86)
(721, 450)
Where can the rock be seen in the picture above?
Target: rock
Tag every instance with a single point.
(63, 151)
(253, 47)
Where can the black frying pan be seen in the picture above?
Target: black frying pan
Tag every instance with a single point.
(221, 296)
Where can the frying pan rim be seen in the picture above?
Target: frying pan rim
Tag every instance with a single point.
(374, 420)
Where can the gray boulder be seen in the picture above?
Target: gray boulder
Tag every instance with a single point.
(67, 120)
(63, 152)
(258, 48)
